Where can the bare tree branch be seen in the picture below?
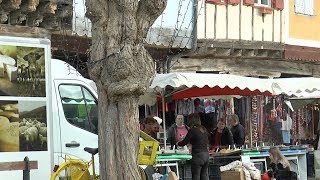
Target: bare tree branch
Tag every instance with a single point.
(148, 12)
(96, 9)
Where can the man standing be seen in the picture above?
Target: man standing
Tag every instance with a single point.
(286, 127)
(237, 130)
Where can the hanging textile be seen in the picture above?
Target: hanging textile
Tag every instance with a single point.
(294, 127)
(254, 119)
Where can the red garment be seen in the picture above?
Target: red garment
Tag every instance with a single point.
(217, 139)
(265, 176)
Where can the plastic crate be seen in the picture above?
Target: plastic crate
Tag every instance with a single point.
(187, 174)
(214, 170)
(147, 150)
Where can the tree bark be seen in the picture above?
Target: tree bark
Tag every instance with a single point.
(122, 70)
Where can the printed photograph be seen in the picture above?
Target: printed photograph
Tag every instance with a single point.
(23, 126)
(32, 126)
(22, 71)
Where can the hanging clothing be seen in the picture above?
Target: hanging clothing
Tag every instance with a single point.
(286, 124)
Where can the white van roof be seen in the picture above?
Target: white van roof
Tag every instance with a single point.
(62, 70)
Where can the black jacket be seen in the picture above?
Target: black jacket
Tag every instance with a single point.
(226, 137)
(198, 140)
(172, 134)
(277, 169)
(238, 134)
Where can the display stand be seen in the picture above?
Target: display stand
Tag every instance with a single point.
(166, 160)
(297, 159)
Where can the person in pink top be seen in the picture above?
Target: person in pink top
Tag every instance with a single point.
(177, 131)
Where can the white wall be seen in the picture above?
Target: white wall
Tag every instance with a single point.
(240, 22)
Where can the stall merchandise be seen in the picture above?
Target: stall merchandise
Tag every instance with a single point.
(189, 85)
(296, 156)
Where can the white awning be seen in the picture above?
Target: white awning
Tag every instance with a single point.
(202, 84)
(299, 87)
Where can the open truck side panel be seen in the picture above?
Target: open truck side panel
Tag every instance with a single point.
(25, 122)
(47, 109)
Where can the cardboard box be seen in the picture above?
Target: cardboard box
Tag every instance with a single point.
(232, 175)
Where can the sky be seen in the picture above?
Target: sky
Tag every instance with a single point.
(178, 14)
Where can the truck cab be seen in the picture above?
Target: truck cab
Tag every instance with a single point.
(75, 112)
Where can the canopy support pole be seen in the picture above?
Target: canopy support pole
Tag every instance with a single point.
(164, 120)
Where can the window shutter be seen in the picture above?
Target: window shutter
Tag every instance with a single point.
(309, 7)
(220, 2)
(299, 6)
(234, 2)
(248, 2)
(278, 4)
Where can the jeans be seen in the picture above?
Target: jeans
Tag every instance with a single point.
(199, 166)
(286, 136)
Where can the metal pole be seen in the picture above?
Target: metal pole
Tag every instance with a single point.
(26, 171)
(164, 120)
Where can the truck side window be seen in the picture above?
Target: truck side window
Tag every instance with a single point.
(79, 106)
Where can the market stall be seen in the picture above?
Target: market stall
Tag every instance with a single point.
(259, 92)
(187, 85)
(181, 86)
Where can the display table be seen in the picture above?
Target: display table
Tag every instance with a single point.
(297, 159)
(167, 160)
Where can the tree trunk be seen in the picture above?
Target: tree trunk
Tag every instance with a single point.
(122, 69)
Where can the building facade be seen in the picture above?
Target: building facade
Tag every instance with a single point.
(302, 35)
(247, 37)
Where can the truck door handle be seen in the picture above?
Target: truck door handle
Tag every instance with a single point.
(73, 144)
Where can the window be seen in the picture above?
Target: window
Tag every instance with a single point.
(305, 7)
(263, 2)
(80, 107)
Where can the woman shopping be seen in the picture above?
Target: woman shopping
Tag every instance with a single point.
(197, 136)
(279, 167)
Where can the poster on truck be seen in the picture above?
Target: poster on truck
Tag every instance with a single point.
(22, 71)
(23, 126)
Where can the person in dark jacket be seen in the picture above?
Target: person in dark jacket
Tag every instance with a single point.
(221, 136)
(178, 131)
(237, 130)
(198, 137)
(279, 166)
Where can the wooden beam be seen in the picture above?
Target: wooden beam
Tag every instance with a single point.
(29, 5)
(240, 44)
(264, 67)
(17, 17)
(22, 31)
(18, 165)
(10, 5)
(3, 16)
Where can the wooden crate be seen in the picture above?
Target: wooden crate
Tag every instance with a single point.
(232, 175)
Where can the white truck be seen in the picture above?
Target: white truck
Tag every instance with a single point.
(47, 109)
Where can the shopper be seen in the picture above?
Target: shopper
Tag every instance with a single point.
(198, 137)
(151, 127)
(177, 131)
(237, 130)
(279, 166)
(221, 136)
